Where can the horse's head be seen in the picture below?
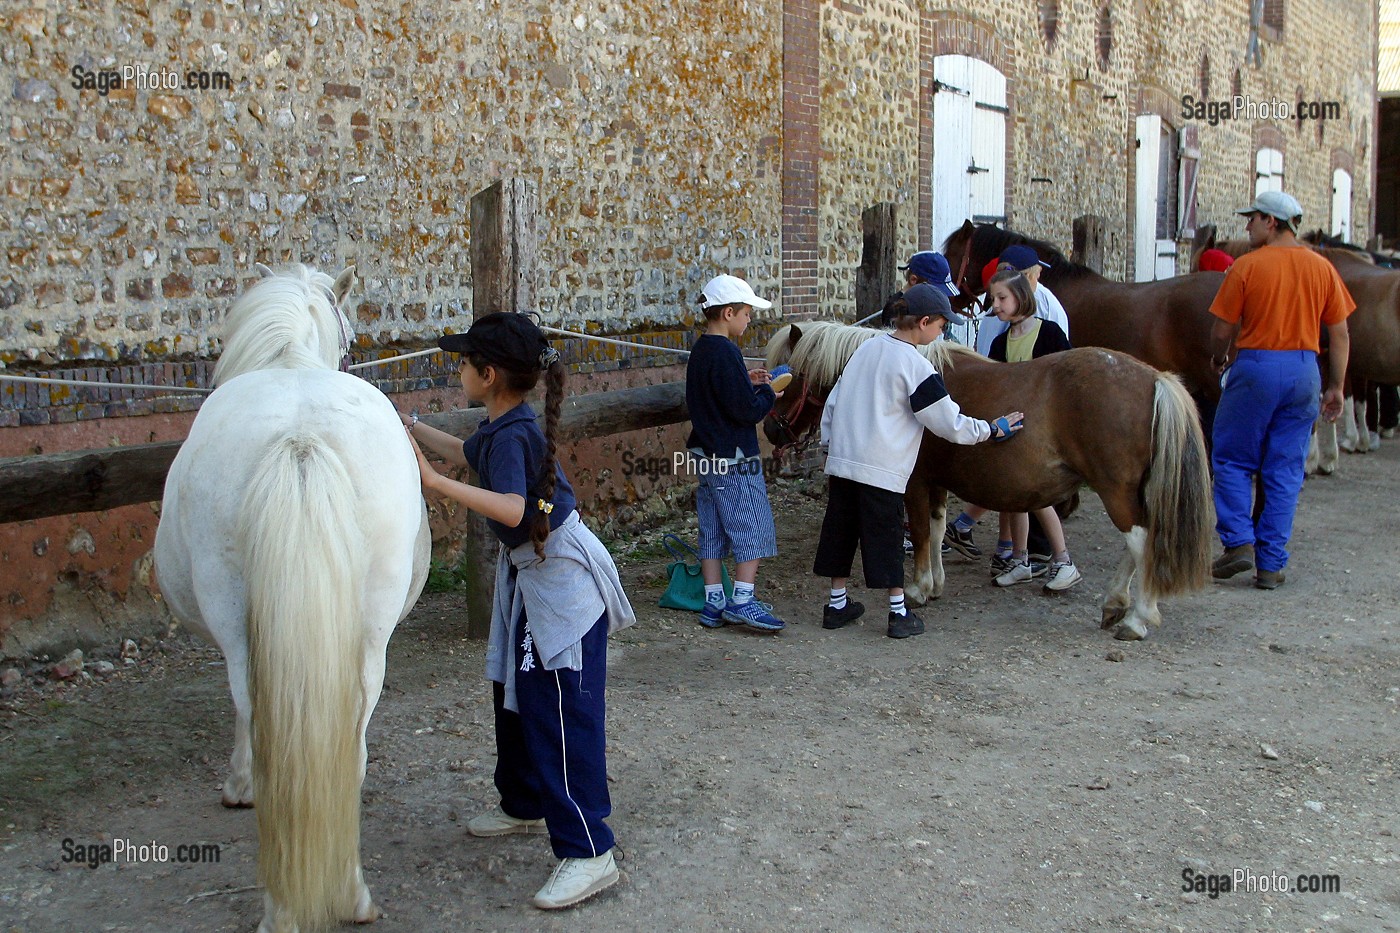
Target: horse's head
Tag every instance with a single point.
(966, 269)
(288, 320)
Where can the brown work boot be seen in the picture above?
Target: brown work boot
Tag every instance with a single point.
(1235, 560)
(1268, 579)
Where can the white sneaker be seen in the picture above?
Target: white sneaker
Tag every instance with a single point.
(575, 880)
(1062, 576)
(1018, 572)
(500, 823)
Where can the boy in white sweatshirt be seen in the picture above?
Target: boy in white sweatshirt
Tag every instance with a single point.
(873, 423)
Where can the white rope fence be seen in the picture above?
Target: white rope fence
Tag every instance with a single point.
(368, 364)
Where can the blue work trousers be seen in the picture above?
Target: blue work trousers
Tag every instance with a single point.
(550, 762)
(1263, 424)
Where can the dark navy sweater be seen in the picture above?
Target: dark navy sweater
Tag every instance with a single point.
(724, 405)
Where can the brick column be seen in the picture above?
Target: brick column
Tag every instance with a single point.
(923, 236)
(801, 152)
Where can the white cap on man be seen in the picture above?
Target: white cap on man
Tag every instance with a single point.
(732, 290)
(1277, 204)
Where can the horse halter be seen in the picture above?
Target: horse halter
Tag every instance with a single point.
(342, 324)
(785, 422)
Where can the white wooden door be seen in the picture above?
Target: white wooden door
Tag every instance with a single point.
(1149, 141)
(1268, 171)
(1341, 204)
(969, 144)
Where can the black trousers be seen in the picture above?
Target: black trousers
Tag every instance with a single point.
(868, 517)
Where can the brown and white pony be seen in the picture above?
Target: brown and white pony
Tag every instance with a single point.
(1092, 416)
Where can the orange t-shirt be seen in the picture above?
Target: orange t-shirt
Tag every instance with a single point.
(1281, 296)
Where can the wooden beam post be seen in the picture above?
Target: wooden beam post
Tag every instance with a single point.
(876, 277)
(505, 252)
(1088, 242)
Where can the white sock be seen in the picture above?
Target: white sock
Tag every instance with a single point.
(897, 605)
(838, 599)
(714, 593)
(743, 593)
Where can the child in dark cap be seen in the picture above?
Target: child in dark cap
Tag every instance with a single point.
(873, 424)
(557, 599)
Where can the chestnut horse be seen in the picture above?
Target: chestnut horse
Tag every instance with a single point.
(1165, 324)
(1092, 416)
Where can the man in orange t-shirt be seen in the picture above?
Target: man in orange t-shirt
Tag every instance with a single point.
(1271, 309)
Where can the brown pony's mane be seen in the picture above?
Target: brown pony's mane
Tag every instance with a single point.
(989, 240)
(825, 347)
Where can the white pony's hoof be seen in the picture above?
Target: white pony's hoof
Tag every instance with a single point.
(238, 794)
(1375, 441)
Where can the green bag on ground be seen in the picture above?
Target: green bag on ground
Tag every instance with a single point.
(686, 589)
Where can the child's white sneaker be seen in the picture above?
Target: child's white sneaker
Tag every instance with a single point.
(1062, 576)
(575, 880)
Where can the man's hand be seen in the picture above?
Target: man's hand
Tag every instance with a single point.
(1332, 404)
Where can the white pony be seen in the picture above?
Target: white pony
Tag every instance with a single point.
(295, 536)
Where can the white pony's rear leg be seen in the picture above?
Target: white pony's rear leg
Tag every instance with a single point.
(238, 789)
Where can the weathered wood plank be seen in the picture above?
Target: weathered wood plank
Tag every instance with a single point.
(93, 480)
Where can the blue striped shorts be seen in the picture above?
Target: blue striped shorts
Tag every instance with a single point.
(735, 515)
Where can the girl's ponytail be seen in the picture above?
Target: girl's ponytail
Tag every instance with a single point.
(553, 401)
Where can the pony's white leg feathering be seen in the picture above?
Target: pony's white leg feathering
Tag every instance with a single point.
(1144, 605)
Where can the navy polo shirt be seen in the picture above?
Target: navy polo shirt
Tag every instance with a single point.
(508, 457)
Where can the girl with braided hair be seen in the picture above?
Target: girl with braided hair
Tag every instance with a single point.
(557, 599)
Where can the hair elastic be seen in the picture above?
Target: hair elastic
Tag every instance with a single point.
(546, 507)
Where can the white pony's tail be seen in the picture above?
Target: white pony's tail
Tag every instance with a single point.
(305, 648)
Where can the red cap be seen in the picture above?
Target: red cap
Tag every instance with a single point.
(989, 270)
(1215, 260)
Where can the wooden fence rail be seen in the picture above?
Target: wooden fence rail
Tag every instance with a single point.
(93, 480)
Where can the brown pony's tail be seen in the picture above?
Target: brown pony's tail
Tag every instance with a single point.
(1177, 495)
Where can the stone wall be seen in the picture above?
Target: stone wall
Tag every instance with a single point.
(358, 133)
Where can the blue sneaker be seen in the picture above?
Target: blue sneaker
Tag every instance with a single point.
(712, 615)
(754, 614)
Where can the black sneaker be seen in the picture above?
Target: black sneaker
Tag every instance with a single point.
(839, 618)
(961, 541)
(905, 625)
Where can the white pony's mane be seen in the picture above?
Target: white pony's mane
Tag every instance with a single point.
(286, 321)
(825, 347)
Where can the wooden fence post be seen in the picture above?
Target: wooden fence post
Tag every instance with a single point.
(504, 246)
(1088, 242)
(877, 278)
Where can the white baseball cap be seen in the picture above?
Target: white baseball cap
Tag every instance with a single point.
(1276, 204)
(732, 290)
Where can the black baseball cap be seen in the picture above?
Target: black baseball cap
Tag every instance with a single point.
(505, 339)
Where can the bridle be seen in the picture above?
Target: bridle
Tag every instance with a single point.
(967, 298)
(785, 422)
(342, 323)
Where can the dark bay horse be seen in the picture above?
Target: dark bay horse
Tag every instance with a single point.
(1092, 416)
(1166, 324)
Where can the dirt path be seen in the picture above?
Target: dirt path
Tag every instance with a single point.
(997, 773)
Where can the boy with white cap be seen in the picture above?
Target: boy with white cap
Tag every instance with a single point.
(726, 403)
